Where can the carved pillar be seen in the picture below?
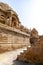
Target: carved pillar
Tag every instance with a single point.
(10, 20)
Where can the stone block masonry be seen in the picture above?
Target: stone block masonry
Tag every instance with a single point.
(11, 38)
(13, 34)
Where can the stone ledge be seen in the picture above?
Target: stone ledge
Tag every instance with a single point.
(13, 29)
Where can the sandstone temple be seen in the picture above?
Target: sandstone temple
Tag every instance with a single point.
(12, 33)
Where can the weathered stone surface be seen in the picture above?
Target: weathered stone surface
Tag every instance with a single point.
(34, 53)
(12, 33)
(4, 6)
(10, 17)
(34, 37)
(11, 38)
(34, 33)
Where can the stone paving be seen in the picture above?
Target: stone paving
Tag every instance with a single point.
(8, 57)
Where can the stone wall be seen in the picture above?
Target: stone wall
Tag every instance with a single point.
(12, 38)
(12, 33)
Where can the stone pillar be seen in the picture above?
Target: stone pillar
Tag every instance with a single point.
(10, 18)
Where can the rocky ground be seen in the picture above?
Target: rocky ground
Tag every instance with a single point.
(17, 62)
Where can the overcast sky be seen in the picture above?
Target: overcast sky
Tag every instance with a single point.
(30, 12)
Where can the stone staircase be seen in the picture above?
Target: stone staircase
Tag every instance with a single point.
(22, 54)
